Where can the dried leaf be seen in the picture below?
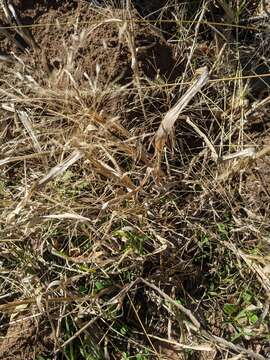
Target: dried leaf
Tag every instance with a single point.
(69, 216)
(22, 157)
(23, 116)
(167, 124)
(248, 152)
(61, 168)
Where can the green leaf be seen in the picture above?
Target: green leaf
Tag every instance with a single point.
(125, 356)
(124, 330)
(230, 309)
(253, 318)
(140, 357)
(83, 289)
(99, 285)
(223, 231)
(247, 297)
(242, 314)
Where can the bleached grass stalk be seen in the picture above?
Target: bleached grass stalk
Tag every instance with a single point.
(214, 154)
(130, 36)
(23, 116)
(166, 127)
(62, 167)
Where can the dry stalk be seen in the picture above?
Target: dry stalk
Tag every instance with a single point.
(243, 163)
(166, 127)
(216, 339)
(62, 167)
(197, 28)
(205, 138)
(130, 35)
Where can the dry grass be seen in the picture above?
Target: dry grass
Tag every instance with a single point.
(138, 231)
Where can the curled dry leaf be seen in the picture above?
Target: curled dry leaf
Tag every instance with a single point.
(167, 124)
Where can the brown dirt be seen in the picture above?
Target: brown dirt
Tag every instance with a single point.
(77, 45)
(256, 187)
(21, 341)
(77, 37)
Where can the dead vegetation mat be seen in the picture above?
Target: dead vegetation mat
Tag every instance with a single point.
(134, 186)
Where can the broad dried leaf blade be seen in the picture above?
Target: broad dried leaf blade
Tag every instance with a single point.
(62, 167)
(172, 115)
(68, 216)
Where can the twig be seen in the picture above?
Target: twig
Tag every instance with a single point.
(201, 347)
(196, 323)
(197, 28)
(6, 33)
(184, 310)
(253, 19)
(231, 346)
(245, 153)
(11, 159)
(243, 163)
(205, 138)
(77, 333)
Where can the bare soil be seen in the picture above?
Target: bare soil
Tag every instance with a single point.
(23, 340)
(78, 36)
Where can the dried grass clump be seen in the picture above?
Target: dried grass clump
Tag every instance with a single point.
(134, 214)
